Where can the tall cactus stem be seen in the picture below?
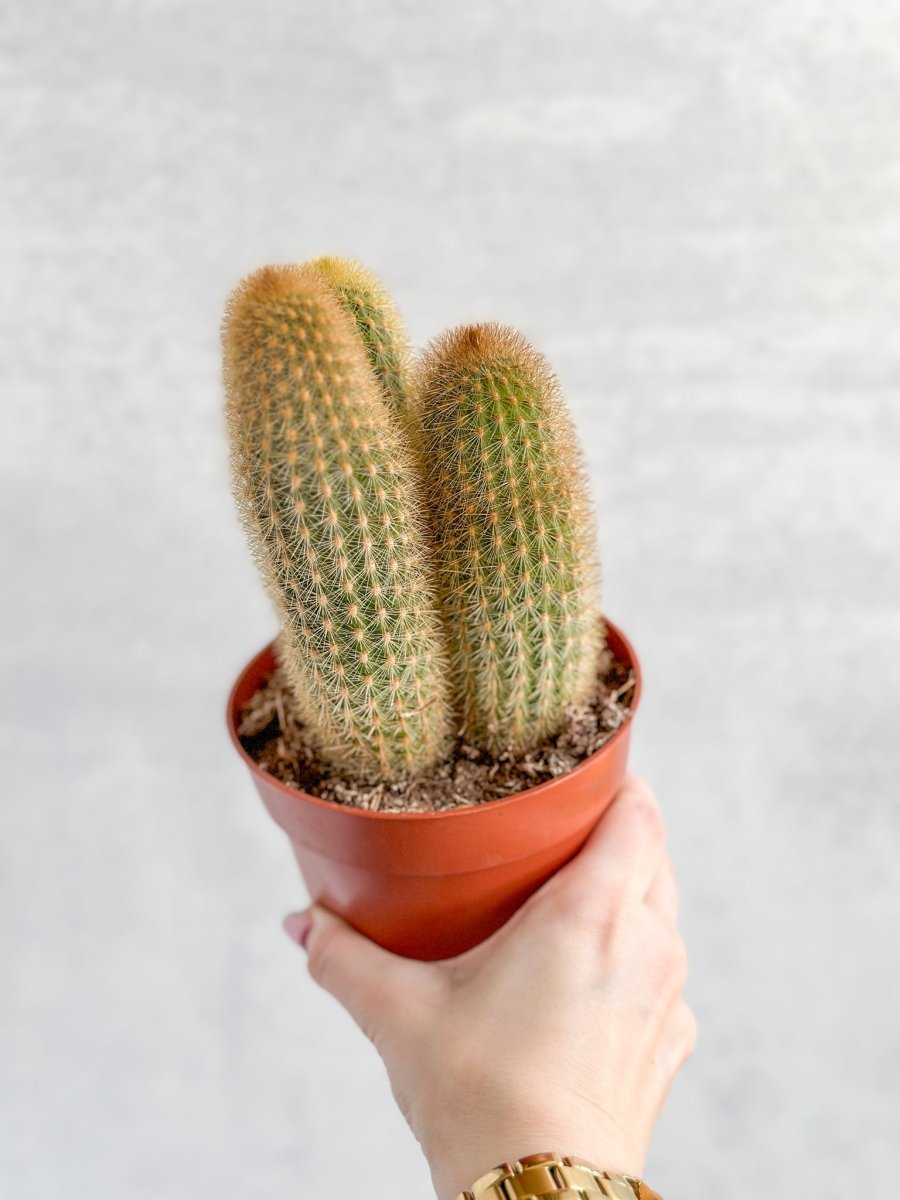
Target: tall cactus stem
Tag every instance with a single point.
(325, 482)
(378, 322)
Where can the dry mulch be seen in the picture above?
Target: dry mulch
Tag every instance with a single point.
(273, 737)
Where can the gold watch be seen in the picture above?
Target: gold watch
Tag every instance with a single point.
(542, 1176)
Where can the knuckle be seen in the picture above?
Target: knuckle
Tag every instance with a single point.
(585, 914)
(678, 953)
(678, 961)
(689, 1030)
(636, 785)
(614, 895)
(569, 906)
(671, 964)
(646, 813)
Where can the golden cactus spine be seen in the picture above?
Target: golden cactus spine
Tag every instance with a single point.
(378, 323)
(323, 477)
(513, 535)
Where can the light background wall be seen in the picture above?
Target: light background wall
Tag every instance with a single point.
(694, 210)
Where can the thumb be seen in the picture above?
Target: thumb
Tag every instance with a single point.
(375, 986)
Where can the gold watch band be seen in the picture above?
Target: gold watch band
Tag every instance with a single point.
(542, 1176)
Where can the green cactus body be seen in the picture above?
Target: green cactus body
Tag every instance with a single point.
(513, 533)
(325, 483)
(379, 325)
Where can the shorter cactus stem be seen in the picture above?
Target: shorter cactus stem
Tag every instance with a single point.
(513, 532)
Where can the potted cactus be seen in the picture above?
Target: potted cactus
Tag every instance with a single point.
(427, 538)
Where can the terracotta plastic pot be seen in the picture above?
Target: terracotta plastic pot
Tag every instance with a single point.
(430, 885)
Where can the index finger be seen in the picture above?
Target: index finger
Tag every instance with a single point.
(626, 846)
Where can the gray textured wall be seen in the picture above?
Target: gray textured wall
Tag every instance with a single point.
(694, 209)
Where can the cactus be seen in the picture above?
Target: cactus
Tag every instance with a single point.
(379, 325)
(513, 535)
(324, 479)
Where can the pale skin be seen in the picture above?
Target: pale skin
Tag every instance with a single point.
(562, 1032)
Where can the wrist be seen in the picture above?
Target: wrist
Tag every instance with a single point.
(549, 1174)
(454, 1168)
(477, 1119)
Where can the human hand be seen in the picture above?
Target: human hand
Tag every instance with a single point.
(563, 1031)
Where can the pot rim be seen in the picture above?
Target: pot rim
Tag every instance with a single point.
(622, 648)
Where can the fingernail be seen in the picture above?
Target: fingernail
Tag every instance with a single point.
(297, 927)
